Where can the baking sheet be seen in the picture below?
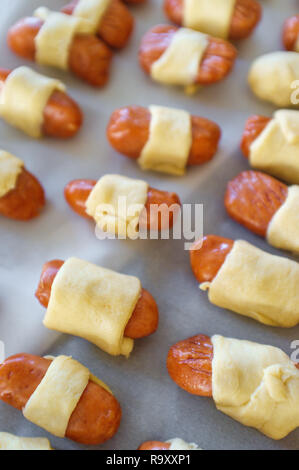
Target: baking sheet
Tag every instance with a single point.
(153, 406)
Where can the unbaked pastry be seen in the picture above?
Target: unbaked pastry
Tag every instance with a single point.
(11, 442)
(10, 168)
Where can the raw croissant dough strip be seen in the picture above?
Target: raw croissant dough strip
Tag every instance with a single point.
(276, 149)
(93, 11)
(256, 385)
(116, 203)
(55, 37)
(257, 284)
(23, 99)
(10, 168)
(11, 442)
(93, 303)
(56, 397)
(179, 64)
(179, 444)
(214, 19)
(169, 143)
(271, 77)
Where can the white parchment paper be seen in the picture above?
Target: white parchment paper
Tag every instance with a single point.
(153, 406)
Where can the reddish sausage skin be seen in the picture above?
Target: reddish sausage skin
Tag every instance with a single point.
(216, 64)
(25, 201)
(96, 417)
(253, 128)
(89, 57)
(129, 129)
(77, 191)
(189, 364)
(290, 33)
(62, 116)
(246, 16)
(144, 319)
(208, 255)
(154, 445)
(116, 25)
(252, 199)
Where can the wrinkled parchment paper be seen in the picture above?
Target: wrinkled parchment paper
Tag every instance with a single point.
(153, 406)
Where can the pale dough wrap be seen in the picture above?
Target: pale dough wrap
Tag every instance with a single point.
(93, 11)
(56, 397)
(23, 99)
(257, 284)
(283, 230)
(257, 385)
(271, 76)
(116, 203)
(167, 149)
(94, 303)
(276, 149)
(179, 444)
(179, 64)
(211, 17)
(54, 39)
(10, 169)
(11, 442)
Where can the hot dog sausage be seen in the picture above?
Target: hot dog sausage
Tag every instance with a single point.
(96, 417)
(253, 128)
(207, 255)
(252, 199)
(89, 57)
(217, 61)
(116, 25)
(290, 33)
(26, 200)
(76, 193)
(144, 319)
(154, 445)
(129, 127)
(247, 14)
(62, 116)
(189, 364)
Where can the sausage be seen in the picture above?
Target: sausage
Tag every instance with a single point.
(62, 116)
(129, 127)
(143, 322)
(116, 25)
(77, 191)
(26, 200)
(96, 417)
(154, 445)
(134, 2)
(89, 57)
(247, 14)
(253, 128)
(189, 364)
(216, 63)
(207, 255)
(290, 33)
(252, 199)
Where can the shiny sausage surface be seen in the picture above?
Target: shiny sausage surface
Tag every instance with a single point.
(252, 199)
(144, 319)
(216, 63)
(89, 57)
(62, 116)
(154, 445)
(116, 25)
(77, 191)
(189, 364)
(290, 33)
(247, 14)
(129, 127)
(96, 417)
(207, 255)
(253, 128)
(25, 201)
